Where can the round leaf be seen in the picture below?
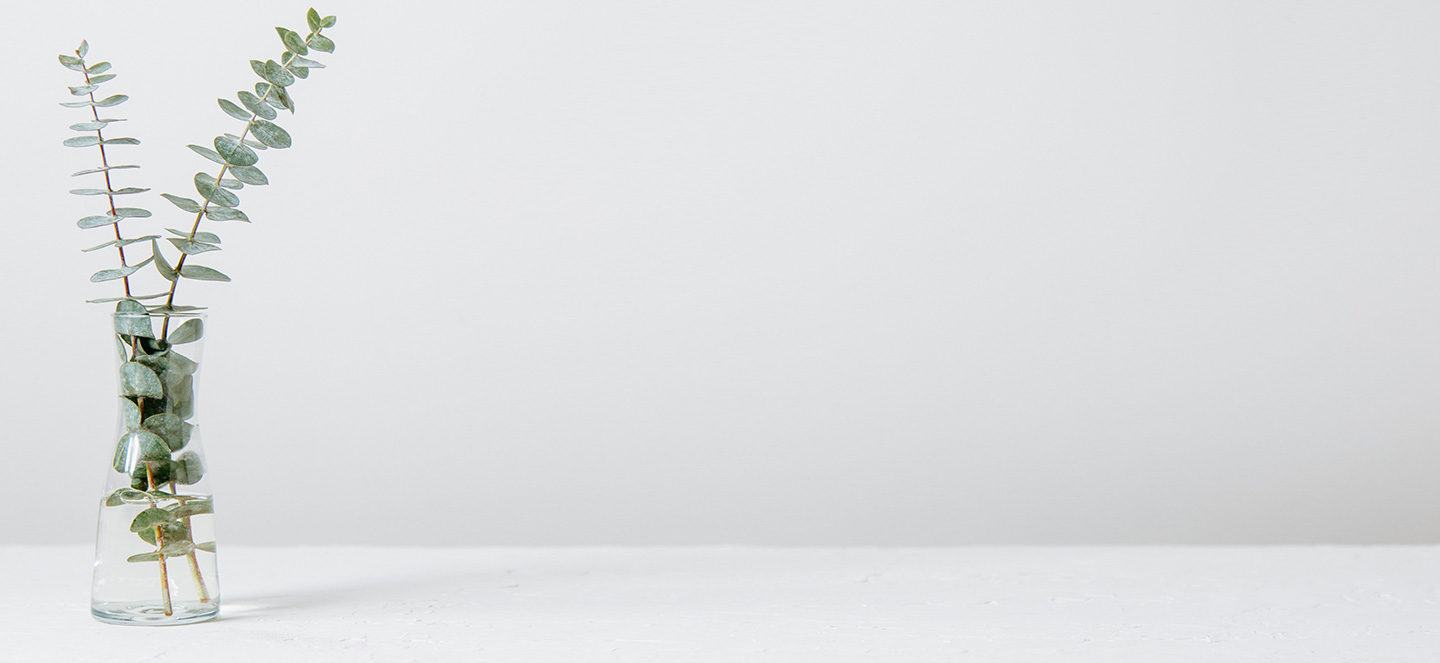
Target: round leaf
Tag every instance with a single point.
(137, 380)
(270, 134)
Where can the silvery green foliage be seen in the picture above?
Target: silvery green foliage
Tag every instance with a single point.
(237, 154)
(92, 135)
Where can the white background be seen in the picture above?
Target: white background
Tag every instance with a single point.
(765, 272)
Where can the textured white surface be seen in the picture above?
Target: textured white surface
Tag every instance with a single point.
(358, 605)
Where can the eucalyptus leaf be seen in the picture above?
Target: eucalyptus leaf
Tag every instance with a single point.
(121, 242)
(162, 265)
(98, 68)
(281, 99)
(193, 508)
(189, 469)
(328, 22)
(306, 63)
(182, 202)
(191, 248)
(180, 394)
(96, 80)
(312, 18)
(82, 141)
(249, 175)
(210, 189)
(188, 332)
(208, 546)
(82, 90)
(131, 319)
(126, 496)
(129, 414)
(231, 183)
(298, 72)
(108, 300)
(200, 273)
(233, 110)
(83, 49)
(118, 273)
(199, 236)
(123, 191)
(293, 41)
(270, 134)
(150, 519)
(272, 72)
(92, 126)
(137, 447)
(177, 548)
(256, 106)
(235, 152)
(138, 380)
(72, 62)
(226, 214)
(144, 557)
(112, 100)
(321, 43)
(173, 530)
(168, 427)
(97, 221)
(92, 171)
(132, 213)
(207, 153)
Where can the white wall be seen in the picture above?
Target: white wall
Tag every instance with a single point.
(769, 272)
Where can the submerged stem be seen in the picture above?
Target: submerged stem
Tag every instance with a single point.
(160, 546)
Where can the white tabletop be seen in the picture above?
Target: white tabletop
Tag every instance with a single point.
(754, 604)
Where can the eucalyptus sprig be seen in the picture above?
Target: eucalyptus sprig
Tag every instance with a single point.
(237, 155)
(92, 134)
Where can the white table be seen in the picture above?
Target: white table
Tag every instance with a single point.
(1156, 605)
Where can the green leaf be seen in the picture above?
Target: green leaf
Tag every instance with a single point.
(120, 242)
(180, 364)
(234, 152)
(208, 546)
(161, 264)
(173, 530)
(108, 300)
(256, 106)
(136, 379)
(312, 18)
(72, 62)
(210, 189)
(321, 43)
(188, 332)
(199, 236)
(118, 273)
(82, 90)
(249, 175)
(98, 68)
(126, 496)
(272, 72)
(306, 63)
(207, 153)
(92, 171)
(182, 202)
(231, 183)
(138, 447)
(233, 111)
(144, 557)
(101, 192)
(168, 427)
(293, 41)
(83, 49)
(150, 519)
(92, 126)
(193, 508)
(226, 214)
(129, 413)
(299, 72)
(281, 99)
(177, 548)
(82, 141)
(329, 22)
(189, 469)
(200, 273)
(131, 319)
(112, 100)
(270, 134)
(96, 80)
(132, 213)
(180, 394)
(191, 248)
(97, 221)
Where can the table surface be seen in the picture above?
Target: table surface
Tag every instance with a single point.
(1013, 604)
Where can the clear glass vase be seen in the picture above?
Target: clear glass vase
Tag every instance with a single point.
(155, 544)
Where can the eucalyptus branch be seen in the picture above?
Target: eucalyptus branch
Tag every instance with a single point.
(237, 155)
(94, 76)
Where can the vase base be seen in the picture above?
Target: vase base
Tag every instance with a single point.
(149, 614)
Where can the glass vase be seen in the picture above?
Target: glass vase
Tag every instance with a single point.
(155, 544)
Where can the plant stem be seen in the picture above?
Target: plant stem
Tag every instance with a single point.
(194, 563)
(160, 546)
(105, 163)
(195, 227)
